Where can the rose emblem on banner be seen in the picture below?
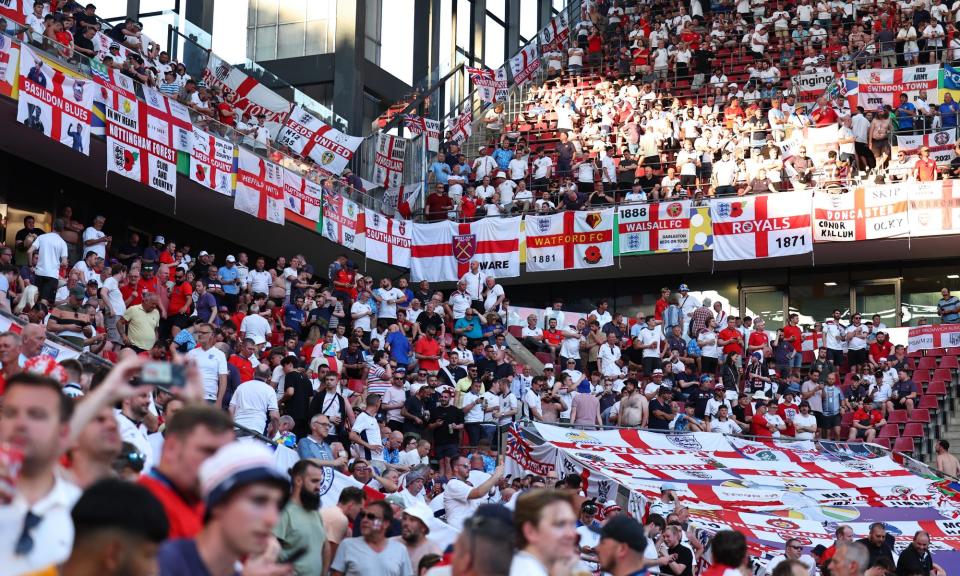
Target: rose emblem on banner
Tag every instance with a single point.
(592, 254)
(674, 210)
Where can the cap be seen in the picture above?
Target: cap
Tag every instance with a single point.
(759, 395)
(548, 366)
(657, 371)
(77, 292)
(501, 174)
(230, 258)
(420, 511)
(771, 372)
(683, 288)
(609, 508)
(668, 486)
(397, 500)
(46, 365)
(236, 465)
(718, 386)
(203, 253)
(416, 388)
(625, 530)
(159, 240)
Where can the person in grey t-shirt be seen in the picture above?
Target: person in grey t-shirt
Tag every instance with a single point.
(372, 554)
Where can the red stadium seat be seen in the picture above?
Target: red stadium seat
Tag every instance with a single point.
(927, 363)
(885, 442)
(903, 445)
(943, 374)
(919, 415)
(935, 352)
(515, 331)
(950, 362)
(937, 388)
(544, 357)
(921, 377)
(929, 402)
(846, 419)
(913, 430)
(889, 431)
(897, 417)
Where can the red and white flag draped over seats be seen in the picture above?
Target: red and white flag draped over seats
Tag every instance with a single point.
(310, 136)
(761, 226)
(343, 221)
(302, 195)
(259, 188)
(211, 162)
(53, 102)
(443, 251)
(570, 240)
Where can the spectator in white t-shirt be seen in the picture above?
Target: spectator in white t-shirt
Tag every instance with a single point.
(254, 403)
(255, 326)
(457, 494)
(211, 363)
(94, 239)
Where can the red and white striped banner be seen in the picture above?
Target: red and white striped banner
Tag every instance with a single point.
(140, 158)
(461, 127)
(883, 86)
(569, 240)
(934, 208)
(245, 93)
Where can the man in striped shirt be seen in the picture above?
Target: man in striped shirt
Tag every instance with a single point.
(169, 85)
(380, 374)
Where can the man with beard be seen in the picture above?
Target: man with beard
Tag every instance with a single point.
(96, 447)
(372, 554)
(413, 533)
(621, 546)
(300, 527)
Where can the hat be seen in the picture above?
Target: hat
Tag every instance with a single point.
(420, 511)
(732, 85)
(77, 292)
(396, 499)
(416, 388)
(159, 240)
(230, 258)
(625, 530)
(668, 486)
(236, 465)
(759, 395)
(548, 366)
(203, 253)
(347, 171)
(884, 359)
(658, 371)
(683, 288)
(609, 508)
(46, 365)
(771, 372)
(500, 174)
(718, 386)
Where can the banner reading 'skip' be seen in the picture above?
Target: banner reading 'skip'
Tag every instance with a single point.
(307, 135)
(570, 241)
(443, 251)
(245, 93)
(882, 86)
(259, 188)
(761, 226)
(140, 157)
(864, 213)
(54, 101)
(211, 162)
(658, 227)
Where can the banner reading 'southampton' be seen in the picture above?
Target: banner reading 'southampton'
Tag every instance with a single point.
(658, 227)
(307, 135)
(388, 240)
(140, 158)
(862, 213)
(259, 190)
(388, 163)
(570, 241)
(54, 101)
(211, 162)
(443, 251)
(761, 226)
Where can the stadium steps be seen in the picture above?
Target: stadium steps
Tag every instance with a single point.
(524, 356)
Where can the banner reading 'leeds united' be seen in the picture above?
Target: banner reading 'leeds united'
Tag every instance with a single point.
(259, 188)
(658, 227)
(54, 101)
(569, 241)
(211, 162)
(307, 135)
(761, 226)
(863, 213)
(443, 251)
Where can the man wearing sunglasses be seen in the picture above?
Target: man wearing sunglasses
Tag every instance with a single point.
(372, 553)
(793, 550)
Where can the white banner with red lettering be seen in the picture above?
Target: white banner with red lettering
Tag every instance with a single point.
(883, 86)
(9, 60)
(941, 145)
(525, 64)
(812, 85)
(569, 240)
(343, 221)
(54, 102)
(429, 128)
(933, 336)
(259, 187)
(554, 36)
(388, 239)
(864, 213)
(443, 251)
(168, 121)
(388, 162)
(245, 93)
(302, 195)
(211, 162)
(764, 226)
(657, 227)
(141, 158)
(934, 208)
(310, 136)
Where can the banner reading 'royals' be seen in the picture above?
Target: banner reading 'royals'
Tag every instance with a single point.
(141, 158)
(259, 188)
(443, 251)
(388, 240)
(54, 101)
(307, 135)
(658, 227)
(211, 162)
(569, 241)
(756, 227)
(388, 163)
(863, 213)
(302, 195)
(342, 221)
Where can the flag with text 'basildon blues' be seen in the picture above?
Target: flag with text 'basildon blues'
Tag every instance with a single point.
(443, 251)
(934, 208)
(259, 188)
(302, 195)
(761, 226)
(140, 158)
(570, 240)
(863, 213)
(388, 240)
(658, 227)
(211, 162)
(342, 221)
(309, 136)
(55, 101)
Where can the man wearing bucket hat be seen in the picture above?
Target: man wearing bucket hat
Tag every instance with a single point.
(244, 495)
(414, 527)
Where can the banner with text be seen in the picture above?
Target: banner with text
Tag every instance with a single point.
(762, 226)
(657, 227)
(302, 195)
(259, 190)
(310, 136)
(141, 158)
(443, 251)
(570, 241)
(54, 101)
(211, 162)
(941, 145)
(388, 163)
(388, 240)
(933, 336)
(934, 208)
(245, 93)
(864, 213)
(342, 221)
(882, 86)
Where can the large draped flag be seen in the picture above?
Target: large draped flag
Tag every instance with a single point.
(140, 157)
(302, 195)
(491, 85)
(554, 36)
(309, 136)
(461, 127)
(864, 213)
(934, 208)
(525, 64)
(342, 221)
(117, 91)
(388, 240)
(211, 162)
(245, 93)
(443, 251)
(570, 240)
(421, 125)
(388, 162)
(54, 101)
(761, 226)
(657, 227)
(259, 187)
(15, 11)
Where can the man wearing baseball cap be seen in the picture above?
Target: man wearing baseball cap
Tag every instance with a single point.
(621, 547)
(244, 495)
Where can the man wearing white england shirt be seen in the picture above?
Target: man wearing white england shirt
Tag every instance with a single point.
(457, 494)
(651, 341)
(474, 281)
(259, 279)
(211, 363)
(255, 327)
(254, 403)
(609, 356)
(53, 253)
(94, 239)
(542, 170)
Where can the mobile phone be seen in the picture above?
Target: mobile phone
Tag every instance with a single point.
(295, 555)
(163, 374)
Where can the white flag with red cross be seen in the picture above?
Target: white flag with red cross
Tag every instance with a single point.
(245, 93)
(934, 208)
(211, 162)
(430, 128)
(140, 158)
(309, 136)
(657, 227)
(525, 64)
(554, 36)
(259, 188)
(461, 127)
(387, 239)
(388, 161)
(168, 121)
(570, 240)
(864, 213)
(302, 195)
(443, 251)
(761, 226)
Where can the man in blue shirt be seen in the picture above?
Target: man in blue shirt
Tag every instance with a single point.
(503, 155)
(948, 307)
(294, 315)
(948, 112)
(441, 170)
(230, 281)
(906, 112)
(396, 342)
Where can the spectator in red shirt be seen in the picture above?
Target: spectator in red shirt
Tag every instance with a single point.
(867, 420)
(787, 410)
(245, 360)
(438, 204)
(181, 303)
(823, 114)
(428, 350)
(881, 348)
(758, 424)
(925, 170)
(661, 304)
(148, 282)
(759, 340)
(793, 335)
(730, 338)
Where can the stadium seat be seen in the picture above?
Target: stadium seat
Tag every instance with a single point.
(515, 331)
(950, 362)
(935, 352)
(544, 357)
(897, 417)
(903, 445)
(943, 374)
(919, 415)
(913, 430)
(927, 363)
(846, 419)
(921, 377)
(929, 402)
(937, 388)
(885, 442)
(915, 354)
(889, 431)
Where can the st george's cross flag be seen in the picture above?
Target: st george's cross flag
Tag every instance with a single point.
(245, 93)
(443, 251)
(302, 195)
(491, 85)
(342, 221)
(570, 240)
(211, 162)
(168, 121)
(388, 161)
(309, 136)
(761, 226)
(934, 208)
(116, 91)
(461, 127)
(554, 36)
(54, 102)
(421, 125)
(863, 213)
(259, 188)
(141, 158)
(388, 239)
(525, 64)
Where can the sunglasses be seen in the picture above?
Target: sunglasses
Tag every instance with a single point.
(370, 516)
